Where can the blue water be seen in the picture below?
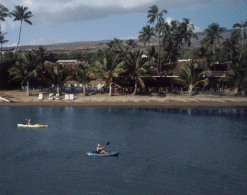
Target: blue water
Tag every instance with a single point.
(161, 151)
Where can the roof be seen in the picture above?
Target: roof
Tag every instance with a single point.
(199, 60)
(69, 67)
(66, 61)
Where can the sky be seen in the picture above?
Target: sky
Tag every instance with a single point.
(65, 21)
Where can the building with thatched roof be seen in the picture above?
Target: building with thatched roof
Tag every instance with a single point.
(70, 67)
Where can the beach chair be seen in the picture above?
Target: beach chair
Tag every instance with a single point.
(51, 96)
(40, 96)
(100, 86)
(71, 96)
(57, 96)
(66, 97)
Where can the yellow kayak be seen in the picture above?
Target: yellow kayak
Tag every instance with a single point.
(32, 126)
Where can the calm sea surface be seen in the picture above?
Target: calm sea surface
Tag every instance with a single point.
(161, 151)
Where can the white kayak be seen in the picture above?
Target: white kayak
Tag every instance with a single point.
(32, 126)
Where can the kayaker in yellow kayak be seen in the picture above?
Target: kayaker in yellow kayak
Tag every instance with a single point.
(100, 150)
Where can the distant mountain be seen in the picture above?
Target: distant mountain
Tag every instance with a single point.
(93, 46)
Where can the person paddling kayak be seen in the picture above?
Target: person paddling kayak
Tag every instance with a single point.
(100, 150)
(29, 122)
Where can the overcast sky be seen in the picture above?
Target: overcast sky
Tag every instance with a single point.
(61, 21)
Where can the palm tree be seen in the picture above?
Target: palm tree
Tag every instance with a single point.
(166, 31)
(146, 34)
(21, 13)
(169, 30)
(41, 55)
(26, 70)
(212, 35)
(142, 39)
(171, 48)
(131, 43)
(230, 45)
(109, 68)
(116, 44)
(2, 41)
(237, 76)
(152, 53)
(58, 76)
(4, 12)
(137, 67)
(192, 77)
(242, 27)
(154, 14)
(84, 75)
(203, 52)
(185, 32)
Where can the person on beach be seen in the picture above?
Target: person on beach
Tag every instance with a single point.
(100, 150)
(29, 122)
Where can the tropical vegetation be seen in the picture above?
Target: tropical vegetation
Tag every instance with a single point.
(154, 14)
(125, 59)
(108, 68)
(25, 70)
(237, 77)
(2, 41)
(58, 76)
(137, 67)
(212, 37)
(192, 77)
(242, 27)
(83, 74)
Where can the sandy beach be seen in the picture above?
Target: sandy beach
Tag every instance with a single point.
(20, 98)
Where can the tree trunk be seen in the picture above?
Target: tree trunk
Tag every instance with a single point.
(190, 90)
(134, 93)
(184, 51)
(242, 45)
(214, 50)
(18, 40)
(110, 90)
(158, 51)
(1, 52)
(58, 89)
(28, 88)
(148, 49)
(84, 89)
(158, 46)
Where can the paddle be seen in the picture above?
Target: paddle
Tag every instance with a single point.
(107, 143)
(27, 120)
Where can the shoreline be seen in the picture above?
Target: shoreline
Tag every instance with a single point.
(153, 105)
(19, 98)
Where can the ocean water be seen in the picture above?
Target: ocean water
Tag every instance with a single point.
(161, 151)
